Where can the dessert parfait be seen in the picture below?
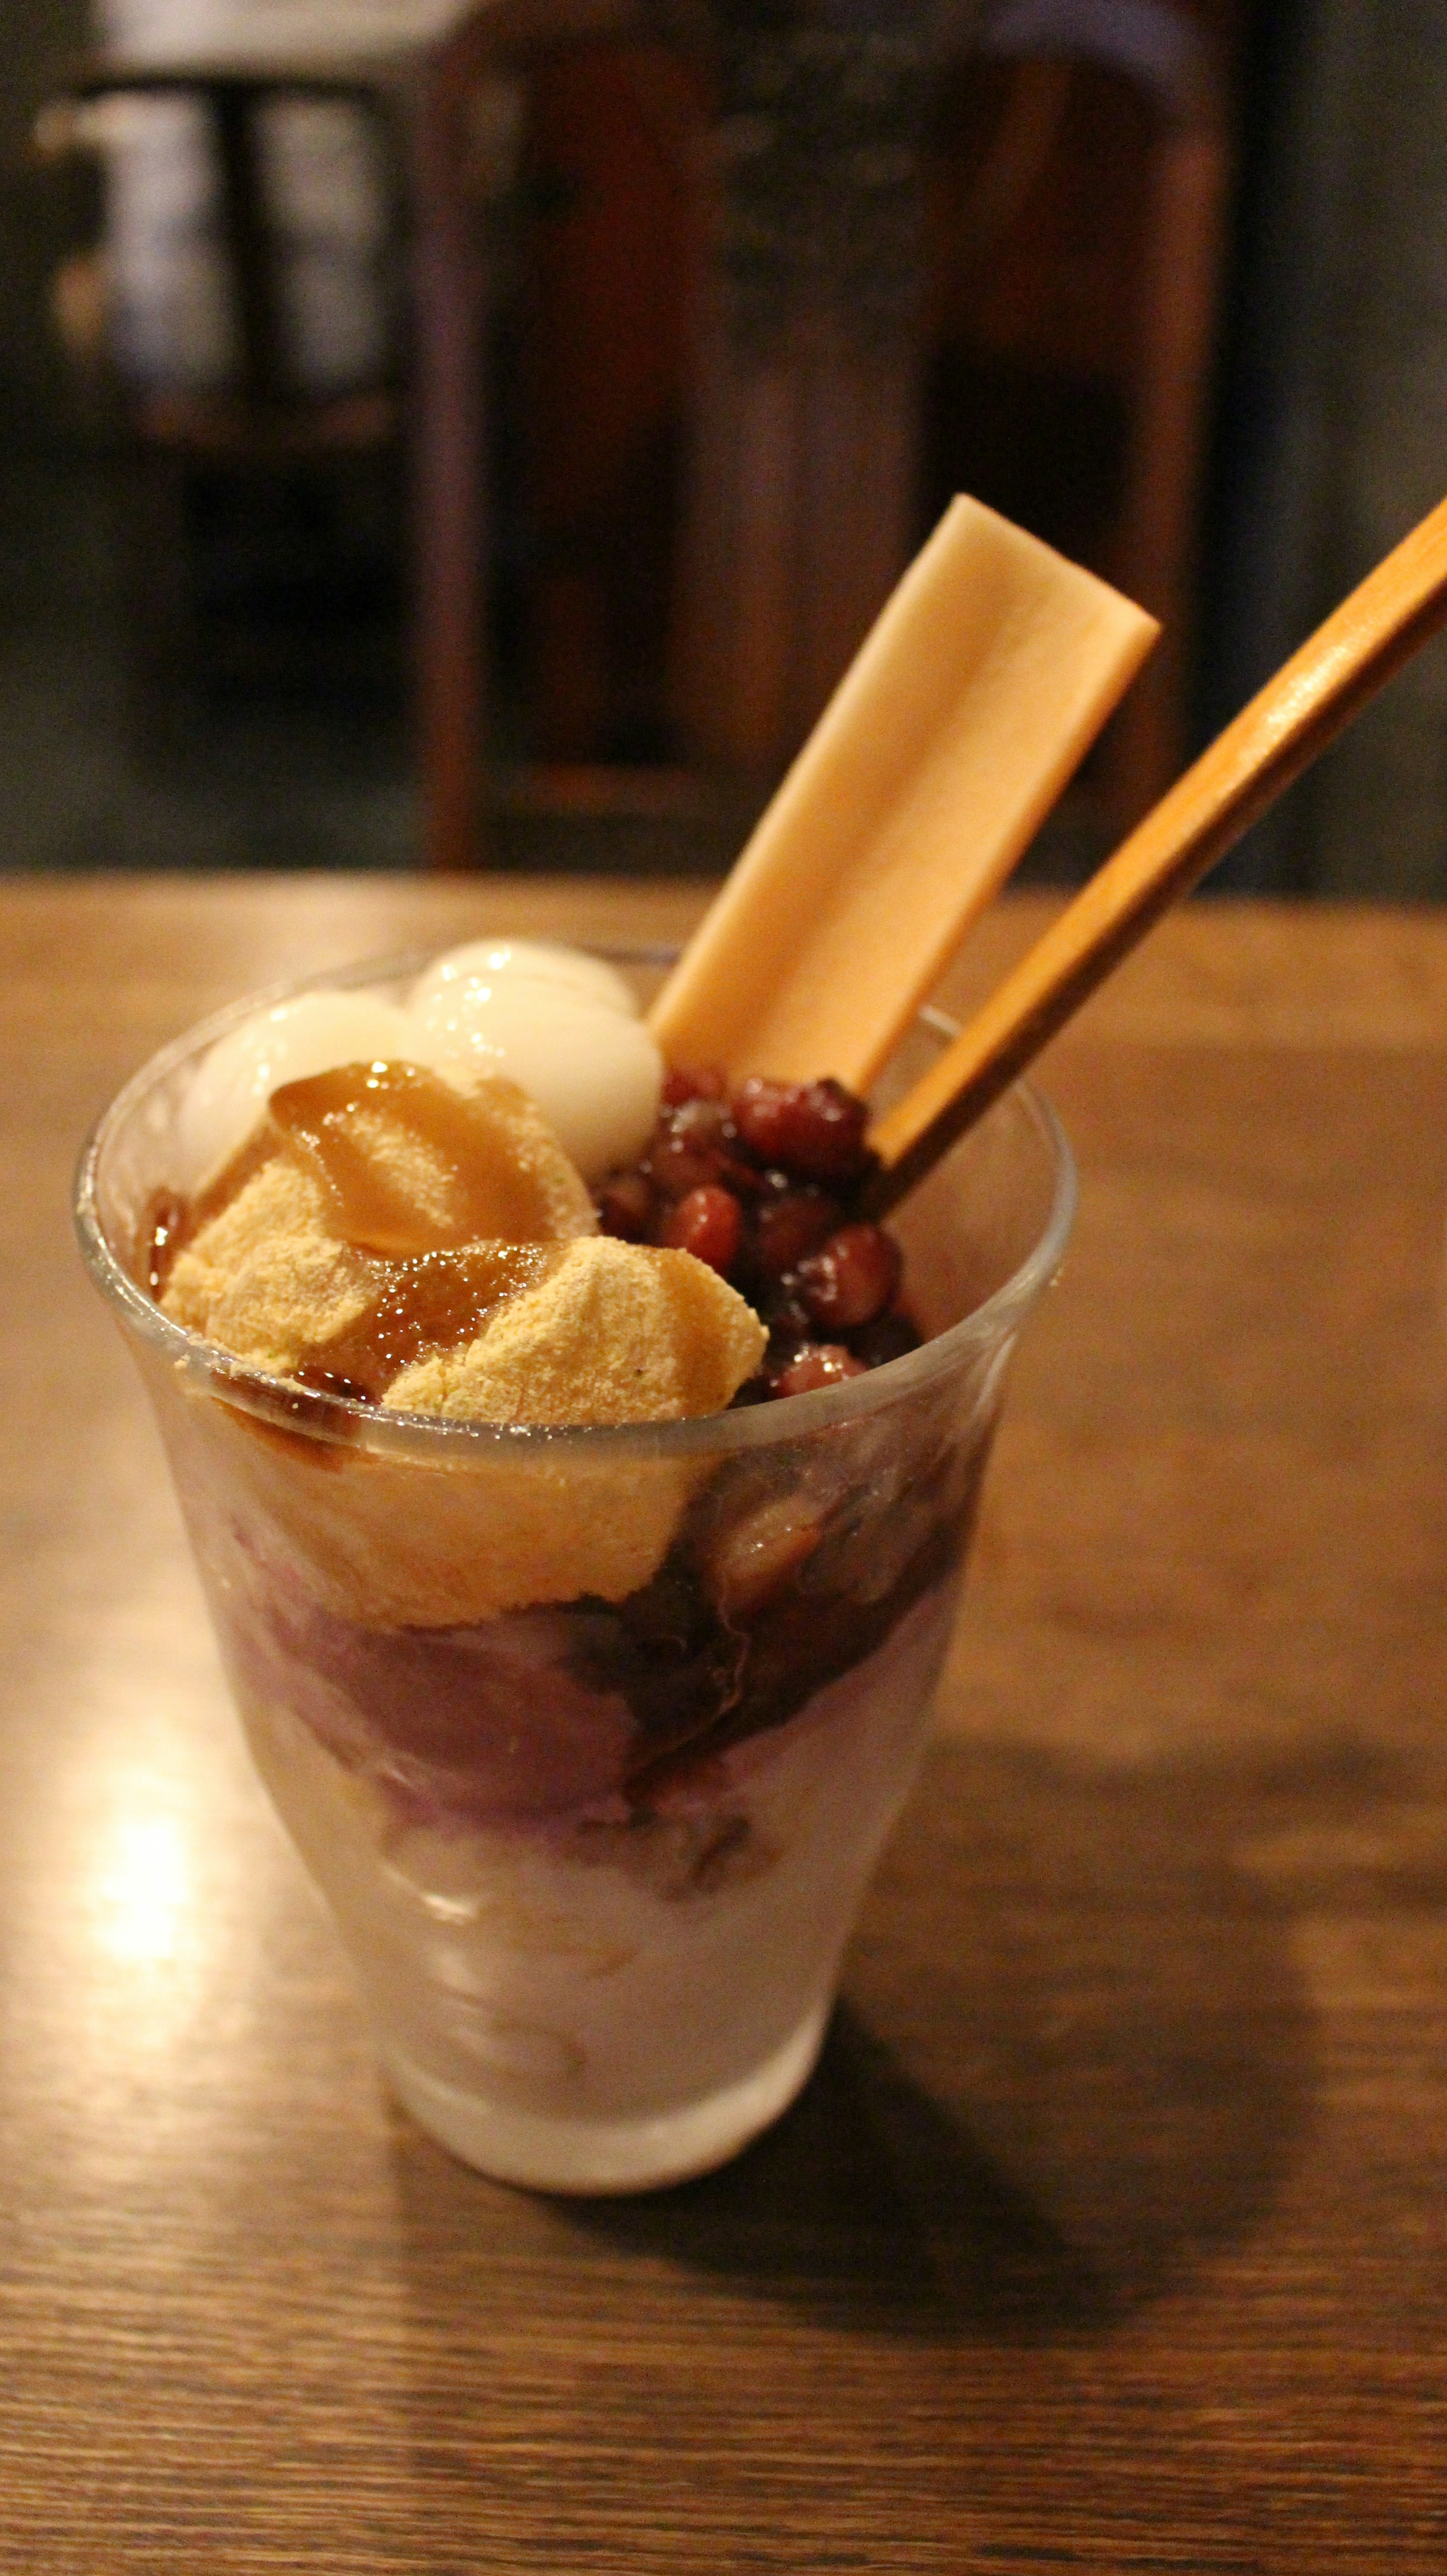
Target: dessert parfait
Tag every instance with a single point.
(580, 1484)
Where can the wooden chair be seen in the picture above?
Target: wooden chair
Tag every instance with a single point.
(445, 112)
(802, 502)
(806, 498)
(257, 424)
(1152, 316)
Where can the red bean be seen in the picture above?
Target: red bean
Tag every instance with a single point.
(693, 1082)
(779, 1305)
(760, 1187)
(626, 1203)
(813, 1130)
(851, 1278)
(709, 1223)
(789, 1225)
(694, 1145)
(818, 1364)
(887, 1338)
(689, 1146)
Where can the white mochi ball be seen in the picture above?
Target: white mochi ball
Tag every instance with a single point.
(595, 1074)
(493, 963)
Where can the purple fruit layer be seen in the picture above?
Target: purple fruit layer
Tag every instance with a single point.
(551, 1714)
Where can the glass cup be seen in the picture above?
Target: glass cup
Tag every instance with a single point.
(591, 1737)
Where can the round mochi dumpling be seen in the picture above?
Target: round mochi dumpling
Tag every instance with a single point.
(494, 962)
(292, 1041)
(594, 1072)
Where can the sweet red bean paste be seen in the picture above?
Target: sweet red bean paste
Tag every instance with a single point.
(763, 1185)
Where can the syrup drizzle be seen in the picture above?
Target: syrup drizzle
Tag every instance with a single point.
(434, 1302)
(444, 1248)
(451, 1217)
(345, 1126)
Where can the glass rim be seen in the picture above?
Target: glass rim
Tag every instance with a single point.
(346, 1421)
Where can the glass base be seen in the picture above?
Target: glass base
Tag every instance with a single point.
(549, 2154)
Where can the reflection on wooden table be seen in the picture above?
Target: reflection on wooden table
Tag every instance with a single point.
(1110, 2231)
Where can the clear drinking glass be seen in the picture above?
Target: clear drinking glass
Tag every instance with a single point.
(591, 1737)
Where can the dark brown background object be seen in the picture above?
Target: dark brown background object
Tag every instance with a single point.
(756, 292)
(1110, 2233)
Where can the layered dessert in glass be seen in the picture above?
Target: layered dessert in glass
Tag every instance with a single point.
(583, 1555)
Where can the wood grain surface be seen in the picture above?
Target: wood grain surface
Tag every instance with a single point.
(1111, 2233)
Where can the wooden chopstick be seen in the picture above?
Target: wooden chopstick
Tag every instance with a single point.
(1311, 699)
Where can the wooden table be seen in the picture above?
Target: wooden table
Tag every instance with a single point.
(1110, 2234)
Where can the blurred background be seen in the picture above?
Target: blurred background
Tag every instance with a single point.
(435, 438)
